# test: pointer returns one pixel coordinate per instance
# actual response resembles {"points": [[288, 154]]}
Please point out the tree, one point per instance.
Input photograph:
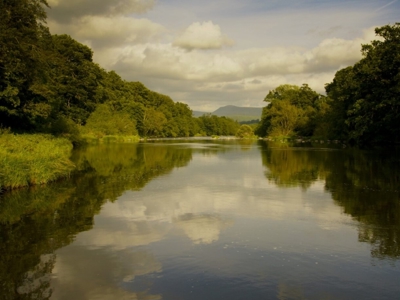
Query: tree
{"points": [[366, 97], [245, 131], [153, 122], [22, 63], [281, 117], [107, 121], [75, 78], [214, 125], [291, 110]]}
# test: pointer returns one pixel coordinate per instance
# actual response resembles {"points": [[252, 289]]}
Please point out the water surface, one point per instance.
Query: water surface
{"points": [[208, 220]]}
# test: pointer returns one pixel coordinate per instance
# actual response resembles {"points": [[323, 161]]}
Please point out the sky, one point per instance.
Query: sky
{"points": [[213, 53]]}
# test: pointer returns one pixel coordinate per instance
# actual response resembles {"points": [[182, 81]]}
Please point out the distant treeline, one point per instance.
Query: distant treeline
{"points": [[50, 84], [362, 104], [254, 121]]}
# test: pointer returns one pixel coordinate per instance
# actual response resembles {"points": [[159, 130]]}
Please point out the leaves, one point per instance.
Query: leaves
{"points": [[292, 110], [366, 97]]}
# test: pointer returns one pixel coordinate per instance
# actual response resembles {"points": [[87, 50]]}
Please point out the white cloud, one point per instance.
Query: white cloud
{"points": [[206, 80], [204, 36], [168, 62], [99, 31], [164, 60], [333, 54]]}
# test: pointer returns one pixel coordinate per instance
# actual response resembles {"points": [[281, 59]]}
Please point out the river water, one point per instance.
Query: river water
{"points": [[190, 219]]}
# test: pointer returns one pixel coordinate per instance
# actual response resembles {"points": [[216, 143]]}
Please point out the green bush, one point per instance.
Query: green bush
{"points": [[245, 132]]}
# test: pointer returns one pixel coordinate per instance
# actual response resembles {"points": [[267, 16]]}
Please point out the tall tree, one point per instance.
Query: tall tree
{"points": [[75, 78], [366, 97], [22, 62]]}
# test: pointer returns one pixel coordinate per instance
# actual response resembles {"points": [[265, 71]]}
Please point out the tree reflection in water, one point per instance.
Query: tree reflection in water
{"points": [[37, 221], [365, 183]]}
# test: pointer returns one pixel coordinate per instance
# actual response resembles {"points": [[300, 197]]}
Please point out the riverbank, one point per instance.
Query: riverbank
{"points": [[31, 159]]}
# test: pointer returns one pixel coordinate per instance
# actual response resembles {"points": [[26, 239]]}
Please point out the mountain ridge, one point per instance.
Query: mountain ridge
{"points": [[239, 113]]}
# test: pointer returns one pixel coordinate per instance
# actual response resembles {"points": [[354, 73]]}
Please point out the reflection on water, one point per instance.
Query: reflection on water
{"points": [[365, 183], [294, 166], [201, 229], [207, 220], [35, 222]]}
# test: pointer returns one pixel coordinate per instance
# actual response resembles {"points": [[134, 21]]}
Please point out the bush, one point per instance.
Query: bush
{"points": [[245, 131]]}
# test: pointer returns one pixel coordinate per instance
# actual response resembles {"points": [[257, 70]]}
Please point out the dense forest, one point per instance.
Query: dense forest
{"points": [[50, 84], [361, 105]]}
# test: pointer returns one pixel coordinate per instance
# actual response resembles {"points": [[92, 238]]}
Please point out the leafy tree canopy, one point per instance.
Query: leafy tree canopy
{"points": [[366, 96], [291, 110]]}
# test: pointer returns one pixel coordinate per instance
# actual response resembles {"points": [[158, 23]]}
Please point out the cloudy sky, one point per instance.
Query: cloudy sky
{"points": [[212, 53]]}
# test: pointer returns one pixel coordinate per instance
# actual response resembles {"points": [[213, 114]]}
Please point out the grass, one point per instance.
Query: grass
{"points": [[31, 159], [92, 139]]}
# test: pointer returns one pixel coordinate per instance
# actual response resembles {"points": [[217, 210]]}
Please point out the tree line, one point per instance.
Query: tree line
{"points": [[49, 83], [361, 105]]}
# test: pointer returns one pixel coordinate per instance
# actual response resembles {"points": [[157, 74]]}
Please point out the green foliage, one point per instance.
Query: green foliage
{"points": [[64, 127], [41, 76], [366, 101], [89, 139], [23, 54], [292, 110], [281, 117], [155, 114], [105, 120], [245, 131], [252, 122], [213, 125], [74, 78], [180, 122], [153, 122], [33, 159]]}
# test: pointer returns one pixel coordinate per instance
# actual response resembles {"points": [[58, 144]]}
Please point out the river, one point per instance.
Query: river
{"points": [[212, 219]]}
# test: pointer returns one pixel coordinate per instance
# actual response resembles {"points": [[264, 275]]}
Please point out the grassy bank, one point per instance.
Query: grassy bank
{"points": [[93, 139], [30, 159]]}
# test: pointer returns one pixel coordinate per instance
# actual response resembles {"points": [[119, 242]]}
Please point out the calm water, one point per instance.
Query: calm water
{"points": [[207, 220]]}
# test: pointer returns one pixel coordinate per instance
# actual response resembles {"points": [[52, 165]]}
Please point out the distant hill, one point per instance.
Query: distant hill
{"points": [[237, 113], [197, 113], [231, 110]]}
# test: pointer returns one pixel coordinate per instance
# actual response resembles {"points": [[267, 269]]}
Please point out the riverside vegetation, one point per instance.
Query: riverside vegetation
{"points": [[33, 159], [51, 88]]}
